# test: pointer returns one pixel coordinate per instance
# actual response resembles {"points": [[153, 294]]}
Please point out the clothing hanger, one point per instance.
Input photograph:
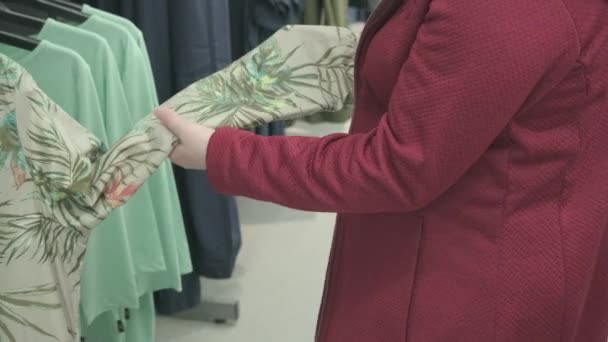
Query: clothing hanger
{"points": [[21, 42], [18, 23], [67, 4], [46, 8]]}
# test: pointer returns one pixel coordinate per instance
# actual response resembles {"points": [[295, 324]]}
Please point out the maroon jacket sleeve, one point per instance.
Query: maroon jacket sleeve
{"points": [[472, 67]]}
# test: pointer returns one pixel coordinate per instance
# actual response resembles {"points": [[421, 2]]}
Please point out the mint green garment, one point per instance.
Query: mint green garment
{"points": [[138, 327], [129, 58], [139, 324], [142, 101], [141, 94], [67, 79], [136, 33], [142, 230], [105, 327]]}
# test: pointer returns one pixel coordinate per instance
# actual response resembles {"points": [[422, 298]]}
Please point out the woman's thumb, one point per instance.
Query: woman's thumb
{"points": [[172, 121]]}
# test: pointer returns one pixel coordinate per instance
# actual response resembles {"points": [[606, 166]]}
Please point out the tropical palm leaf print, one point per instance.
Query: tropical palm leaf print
{"points": [[15, 304], [268, 83], [37, 237], [56, 168]]}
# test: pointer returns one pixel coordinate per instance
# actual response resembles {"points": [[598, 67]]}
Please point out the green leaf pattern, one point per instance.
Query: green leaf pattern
{"points": [[62, 181], [14, 306]]}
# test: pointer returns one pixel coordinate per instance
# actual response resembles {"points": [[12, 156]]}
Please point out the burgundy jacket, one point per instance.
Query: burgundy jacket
{"points": [[472, 190]]}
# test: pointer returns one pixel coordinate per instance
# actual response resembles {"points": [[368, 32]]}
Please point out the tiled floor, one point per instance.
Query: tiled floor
{"points": [[279, 276]]}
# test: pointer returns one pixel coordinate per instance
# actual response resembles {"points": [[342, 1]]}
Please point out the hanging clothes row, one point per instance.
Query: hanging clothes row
{"points": [[62, 180], [105, 79], [188, 40]]}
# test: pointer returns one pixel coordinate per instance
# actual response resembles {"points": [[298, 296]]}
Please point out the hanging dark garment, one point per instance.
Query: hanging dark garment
{"points": [[188, 40], [200, 44], [373, 4], [252, 22], [358, 10]]}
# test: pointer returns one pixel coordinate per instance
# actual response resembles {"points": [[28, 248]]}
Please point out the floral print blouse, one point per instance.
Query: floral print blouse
{"points": [[59, 181]]}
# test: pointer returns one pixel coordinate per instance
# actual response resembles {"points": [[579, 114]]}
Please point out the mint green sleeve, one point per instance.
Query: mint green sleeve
{"points": [[133, 31]]}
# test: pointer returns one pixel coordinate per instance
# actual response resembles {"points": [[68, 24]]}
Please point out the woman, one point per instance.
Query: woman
{"points": [[472, 190]]}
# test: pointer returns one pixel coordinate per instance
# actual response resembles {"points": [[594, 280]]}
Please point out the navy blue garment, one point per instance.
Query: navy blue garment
{"points": [[254, 21], [215, 252], [169, 302], [188, 40], [268, 16]]}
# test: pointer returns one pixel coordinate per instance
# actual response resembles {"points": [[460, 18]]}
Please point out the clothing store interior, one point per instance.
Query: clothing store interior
{"points": [[102, 239]]}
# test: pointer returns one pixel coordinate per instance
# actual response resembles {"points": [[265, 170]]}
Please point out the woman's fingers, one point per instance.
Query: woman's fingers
{"points": [[172, 121], [191, 151]]}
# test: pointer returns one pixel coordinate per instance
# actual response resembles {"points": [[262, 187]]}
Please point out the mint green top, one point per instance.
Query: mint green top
{"points": [[139, 325], [142, 101], [62, 73], [136, 33], [130, 51], [142, 230], [95, 50]]}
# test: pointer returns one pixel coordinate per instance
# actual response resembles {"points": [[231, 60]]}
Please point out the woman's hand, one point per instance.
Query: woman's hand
{"points": [[191, 151]]}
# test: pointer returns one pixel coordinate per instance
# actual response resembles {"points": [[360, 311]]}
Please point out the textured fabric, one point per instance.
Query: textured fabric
{"points": [[62, 182], [471, 189]]}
